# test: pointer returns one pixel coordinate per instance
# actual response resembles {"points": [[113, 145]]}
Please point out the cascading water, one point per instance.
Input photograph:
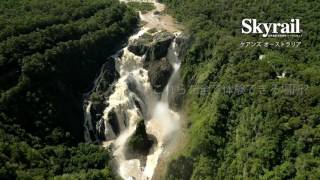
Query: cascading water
{"points": [[163, 121], [134, 99]]}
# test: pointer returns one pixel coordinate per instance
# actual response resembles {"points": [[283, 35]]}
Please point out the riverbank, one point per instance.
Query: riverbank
{"points": [[134, 97]]}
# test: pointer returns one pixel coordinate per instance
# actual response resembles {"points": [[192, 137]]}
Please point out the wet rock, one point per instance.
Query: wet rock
{"points": [[98, 97], [155, 46], [159, 68], [159, 73], [140, 46], [107, 76], [183, 43], [140, 143], [113, 121], [159, 46], [101, 129], [176, 98], [156, 13]]}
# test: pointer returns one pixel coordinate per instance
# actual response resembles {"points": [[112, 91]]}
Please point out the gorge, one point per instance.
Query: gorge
{"points": [[117, 89], [133, 116]]}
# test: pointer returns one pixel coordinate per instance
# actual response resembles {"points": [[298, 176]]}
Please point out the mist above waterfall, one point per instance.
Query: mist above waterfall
{"points": [[133, 100], [164, 121], [148, 68]]}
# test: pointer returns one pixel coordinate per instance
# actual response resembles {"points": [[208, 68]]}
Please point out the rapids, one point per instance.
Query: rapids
{"points": [[134, 99]]}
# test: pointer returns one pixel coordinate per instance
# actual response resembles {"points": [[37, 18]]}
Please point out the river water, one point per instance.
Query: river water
{"points": [[134, 99]]}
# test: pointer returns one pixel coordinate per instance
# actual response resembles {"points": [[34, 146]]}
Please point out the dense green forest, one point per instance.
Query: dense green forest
{"points": [[268, 131], [50, 53], [141, 6]]}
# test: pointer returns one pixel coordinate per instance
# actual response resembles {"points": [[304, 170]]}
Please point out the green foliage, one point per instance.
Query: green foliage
{"points": [[267, 132], [180, 168], [39, 161], [27, 16], [141, 6], [139, 142], [45, 71], [50, 53]]}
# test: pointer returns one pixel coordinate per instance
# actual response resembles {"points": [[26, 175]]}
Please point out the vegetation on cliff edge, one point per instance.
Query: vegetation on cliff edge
{"points": [[253, 112], [50, 53]]}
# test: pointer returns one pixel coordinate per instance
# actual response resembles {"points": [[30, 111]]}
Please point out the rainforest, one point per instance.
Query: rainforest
{"points": [[158, 89]]}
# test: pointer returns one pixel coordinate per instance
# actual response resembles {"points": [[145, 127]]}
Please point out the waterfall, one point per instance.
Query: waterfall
{"points": [[87, 123], [173, 56], [133, 99]]}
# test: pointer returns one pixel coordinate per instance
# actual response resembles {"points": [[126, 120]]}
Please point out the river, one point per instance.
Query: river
{"points": [[130, 105]]}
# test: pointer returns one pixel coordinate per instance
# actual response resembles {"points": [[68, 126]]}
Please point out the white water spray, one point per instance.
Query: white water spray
{"points": [[163, 121], [134, 99]]}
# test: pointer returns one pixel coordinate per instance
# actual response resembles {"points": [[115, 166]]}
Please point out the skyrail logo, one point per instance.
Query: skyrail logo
{"points": [[251, 26]]}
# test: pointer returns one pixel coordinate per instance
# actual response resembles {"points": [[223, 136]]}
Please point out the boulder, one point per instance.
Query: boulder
{"points": [[140, 143], [183, 43], [140, 45], [156, 48], [100, 127], [113, 121], [159, 73], [156, 13], [99, 95], [160, 45]]}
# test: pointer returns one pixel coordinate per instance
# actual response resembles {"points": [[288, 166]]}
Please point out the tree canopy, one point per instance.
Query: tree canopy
{"points": [[249, 123], [50, 53]]}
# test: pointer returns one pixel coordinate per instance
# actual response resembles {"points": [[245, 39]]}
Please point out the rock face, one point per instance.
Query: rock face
{"points": [[155, 48], [113, 120], [160, 45], [158, 66], [103, 89], [140, 46], [140, 142], [159, 73], [182, 43]]}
